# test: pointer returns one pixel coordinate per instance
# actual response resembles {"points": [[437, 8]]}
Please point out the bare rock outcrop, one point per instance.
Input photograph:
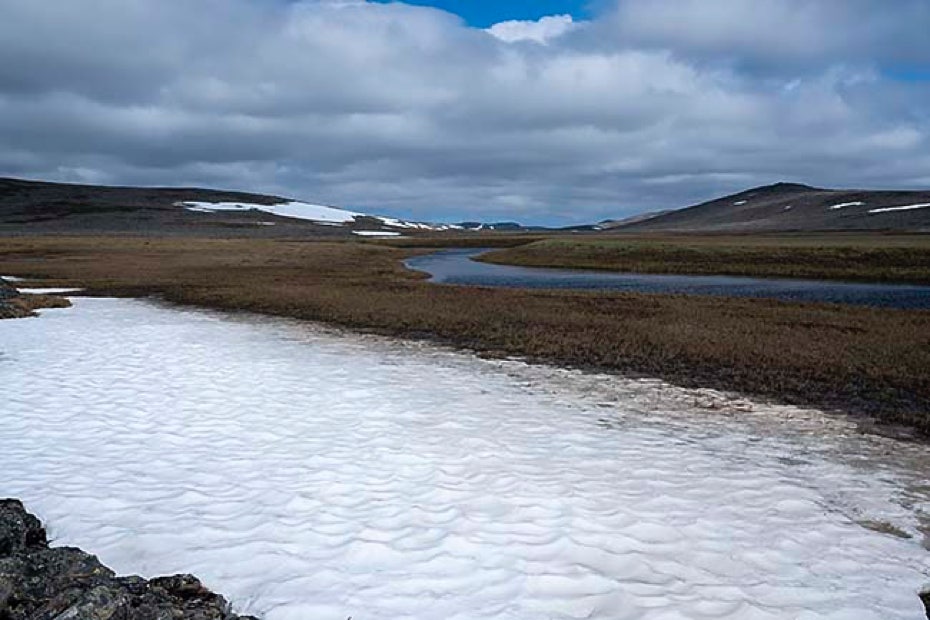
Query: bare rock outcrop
{"points": [[39, 582]]}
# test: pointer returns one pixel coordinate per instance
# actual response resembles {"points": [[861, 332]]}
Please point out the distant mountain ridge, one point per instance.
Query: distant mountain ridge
{"points": [[789, 207], [61, 208]]}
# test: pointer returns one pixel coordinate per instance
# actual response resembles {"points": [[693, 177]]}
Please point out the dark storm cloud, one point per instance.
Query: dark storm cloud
{"points": [[404, 109]]}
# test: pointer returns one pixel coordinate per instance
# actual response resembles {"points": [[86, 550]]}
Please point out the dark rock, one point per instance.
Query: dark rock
{"points": [[925, 597], [20, 530], [7, 290], [11, 306], [38, 582]]}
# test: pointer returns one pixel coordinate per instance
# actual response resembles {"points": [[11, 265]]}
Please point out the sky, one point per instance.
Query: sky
{"points": [[486, 13], [540, 111]]}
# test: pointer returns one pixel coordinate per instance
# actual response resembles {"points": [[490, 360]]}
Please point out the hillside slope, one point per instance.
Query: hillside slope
{"points": [[42, 207], [786, 207]]}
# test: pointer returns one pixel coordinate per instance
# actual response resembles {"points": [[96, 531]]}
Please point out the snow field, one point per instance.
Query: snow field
{"points": [[306, 473]]}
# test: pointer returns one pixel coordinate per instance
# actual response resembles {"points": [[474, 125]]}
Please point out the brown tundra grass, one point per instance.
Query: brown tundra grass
{"points": [[26, 305], [860, 360], [875, 258]]}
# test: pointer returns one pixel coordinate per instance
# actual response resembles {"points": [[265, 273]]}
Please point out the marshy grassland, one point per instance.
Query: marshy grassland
{"points": [[853, 257], [855, 359]]}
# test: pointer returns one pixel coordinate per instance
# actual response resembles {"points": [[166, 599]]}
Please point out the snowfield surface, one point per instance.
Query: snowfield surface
{"points": [[902, 208], [307, 473], [299, 210]]}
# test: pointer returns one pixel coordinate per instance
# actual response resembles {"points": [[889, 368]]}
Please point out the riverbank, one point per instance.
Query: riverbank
{"points": [[459, 266], [888, 258], [40, 581], [867, 362], [16, 305]]}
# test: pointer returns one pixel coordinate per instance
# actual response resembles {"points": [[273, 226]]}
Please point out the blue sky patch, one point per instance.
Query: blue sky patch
{"points": [[484, 13]]}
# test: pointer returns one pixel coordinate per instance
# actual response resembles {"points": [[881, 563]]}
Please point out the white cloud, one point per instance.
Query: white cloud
{"points": [[779, 30], [404, 109], [540, 31]]}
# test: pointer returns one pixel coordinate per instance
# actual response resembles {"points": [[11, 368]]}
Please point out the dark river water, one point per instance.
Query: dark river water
{"points": [[456, 267]]}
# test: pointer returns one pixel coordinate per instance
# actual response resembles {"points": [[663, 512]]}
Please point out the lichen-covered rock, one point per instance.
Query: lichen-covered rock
{"points": [[38, 582], [7, 290], [18, 529]]}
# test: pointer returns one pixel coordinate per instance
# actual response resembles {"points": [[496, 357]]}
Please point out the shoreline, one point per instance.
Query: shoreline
{"points": [[863, 423], [869, 364], [15, 304], [891, 259]]}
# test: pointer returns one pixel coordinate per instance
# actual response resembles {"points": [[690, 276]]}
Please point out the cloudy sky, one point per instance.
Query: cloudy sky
{"points": [[544, 111]]}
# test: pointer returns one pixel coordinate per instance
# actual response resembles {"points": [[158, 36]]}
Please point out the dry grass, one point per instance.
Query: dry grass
{"points": [[857, 359], [26, 305], [875, 258]]}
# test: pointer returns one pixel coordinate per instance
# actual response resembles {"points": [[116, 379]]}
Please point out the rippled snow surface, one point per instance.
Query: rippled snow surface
{"points": [[309, 474]]}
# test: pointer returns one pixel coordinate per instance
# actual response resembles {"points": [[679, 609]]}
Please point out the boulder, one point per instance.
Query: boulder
{"points": [[39, 582]]}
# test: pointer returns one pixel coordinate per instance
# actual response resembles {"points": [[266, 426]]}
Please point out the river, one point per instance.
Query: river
{"points": [[456, 266]]}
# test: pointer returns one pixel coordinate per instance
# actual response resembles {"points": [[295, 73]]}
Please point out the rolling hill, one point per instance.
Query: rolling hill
{"points": [[43, 207], [787, 207]]}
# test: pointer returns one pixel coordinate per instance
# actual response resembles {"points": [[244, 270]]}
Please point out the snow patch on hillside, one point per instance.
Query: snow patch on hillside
{"points": [[298, 210], [396, 223], [843, 205], [319, 214], [901, 208], [376, 233]]}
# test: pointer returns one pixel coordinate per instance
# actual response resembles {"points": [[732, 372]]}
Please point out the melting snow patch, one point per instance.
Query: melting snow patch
{"points": [[902, 208], [788, 208], [396, 223], [740, 202], [309, 474], [297, 210], [49, 291], [376, 233], [843, 205]]}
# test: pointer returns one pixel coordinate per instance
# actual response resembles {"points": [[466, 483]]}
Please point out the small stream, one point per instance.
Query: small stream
{"points": [[456, 266]]}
